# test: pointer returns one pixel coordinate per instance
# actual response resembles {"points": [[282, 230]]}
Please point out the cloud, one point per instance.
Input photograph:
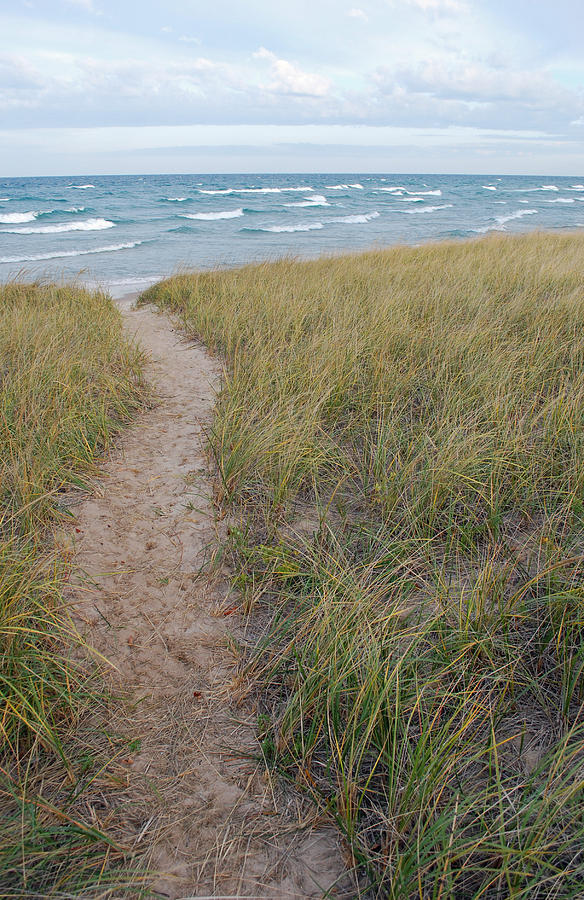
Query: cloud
{"points": [[187, 39], [289, 79], [358, 14]]}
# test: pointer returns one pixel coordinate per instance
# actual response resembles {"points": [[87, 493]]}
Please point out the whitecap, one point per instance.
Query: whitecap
{"points": [[502, 220], [544, 187], [436, 193], [489, 187], [209, 217], [573, 187], [392, 190], [81, 187], [412, 200], [4, 199], [562, 200], [425, 209], [317, 200], [176, 199], [264, 190], [62, 227], [358, 219], [15, 218], [60, 254], [306, 226]]}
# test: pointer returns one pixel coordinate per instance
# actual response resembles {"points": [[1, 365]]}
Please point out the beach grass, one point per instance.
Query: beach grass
{"points": [[399, 443], [69, 381]]}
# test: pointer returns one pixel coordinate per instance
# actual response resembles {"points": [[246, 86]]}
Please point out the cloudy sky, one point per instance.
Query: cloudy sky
{"points": [[100, 86]]}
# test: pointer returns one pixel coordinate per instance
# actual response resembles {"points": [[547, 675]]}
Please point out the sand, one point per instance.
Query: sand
{"points": [[207, 815]]}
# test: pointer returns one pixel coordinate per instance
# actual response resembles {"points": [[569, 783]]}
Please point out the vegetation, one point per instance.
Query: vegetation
{"points": [[400, 440], [68, 382]]}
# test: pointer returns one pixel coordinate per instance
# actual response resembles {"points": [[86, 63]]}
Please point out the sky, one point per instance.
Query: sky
{"points": [[137, 86]]}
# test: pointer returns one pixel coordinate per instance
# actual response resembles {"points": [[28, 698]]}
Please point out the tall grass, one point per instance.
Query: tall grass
{"points": [[400, 440], [68, 382]]}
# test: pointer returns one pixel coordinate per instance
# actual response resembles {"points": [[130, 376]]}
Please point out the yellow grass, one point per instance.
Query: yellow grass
{"points": [[68, 382], [400, 441]]}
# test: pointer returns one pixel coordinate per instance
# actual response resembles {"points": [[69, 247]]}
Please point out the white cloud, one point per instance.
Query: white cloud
{"points": [[355, 13], [166, 29], [289, 79], [187, 39]]}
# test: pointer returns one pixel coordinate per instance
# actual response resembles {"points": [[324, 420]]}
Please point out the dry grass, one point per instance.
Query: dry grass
{"points": [[68, 383], [400, 441]]}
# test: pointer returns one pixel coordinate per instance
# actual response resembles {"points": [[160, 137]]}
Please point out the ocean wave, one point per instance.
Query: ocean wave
{"points": [[81, 187], [358, 219], [210, 217], [573, 187], [61, 254], [176, 199], [424, 209], [317, 200], [562, 200], [15, 218], [544, 187], [344, 187], [62, 227], [500, 221], [489, 187], [277, 229], [392, 190], [276, 190], [411, 200], [4, 199], [436, 193]]}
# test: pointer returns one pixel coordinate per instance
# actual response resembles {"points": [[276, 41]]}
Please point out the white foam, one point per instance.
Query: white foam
{"points": [[210, 217], [306, 226], [62, 227], [573, 187], [358, 187], [544, 187], [502, 220], [437, 193], [392, 190], [4, 199], [359, 219], [518, 214], [274, 190], [412, 200], [425, 209], [317, 200], [67, 253], [489, 187], [344, 187], [562, 200], [14, 218], [81, 187], [176, 199]]}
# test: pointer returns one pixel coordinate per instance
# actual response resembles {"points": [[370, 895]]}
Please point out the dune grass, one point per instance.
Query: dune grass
{"points": [[68, 382], [400, 442]]}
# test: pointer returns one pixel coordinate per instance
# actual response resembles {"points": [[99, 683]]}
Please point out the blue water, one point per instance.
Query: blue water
{"points": [[124, 232]]}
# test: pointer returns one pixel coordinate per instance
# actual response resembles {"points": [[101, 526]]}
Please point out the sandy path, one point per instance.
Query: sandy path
{"points": [[205, 811]]}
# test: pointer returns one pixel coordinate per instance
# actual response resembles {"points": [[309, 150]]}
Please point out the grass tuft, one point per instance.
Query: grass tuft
{"points": [[68, 382], [400, 442]]}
